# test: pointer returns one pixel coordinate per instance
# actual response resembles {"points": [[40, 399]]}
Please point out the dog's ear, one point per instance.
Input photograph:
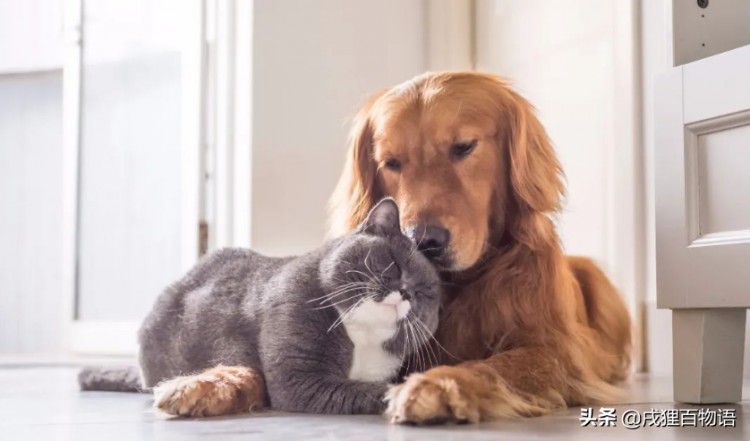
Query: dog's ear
{"points": [[358, 188], [536, 177]]}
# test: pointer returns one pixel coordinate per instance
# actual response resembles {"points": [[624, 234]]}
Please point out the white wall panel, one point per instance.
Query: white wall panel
{"points": [[314, 63], [30, 35], [576, 62], [561, 58]]}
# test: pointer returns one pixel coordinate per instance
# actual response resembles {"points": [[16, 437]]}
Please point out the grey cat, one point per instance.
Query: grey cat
{"points": [[328, 329]]}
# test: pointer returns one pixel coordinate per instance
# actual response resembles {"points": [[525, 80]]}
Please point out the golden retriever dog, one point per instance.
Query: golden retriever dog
{"points": [[524, 329]]}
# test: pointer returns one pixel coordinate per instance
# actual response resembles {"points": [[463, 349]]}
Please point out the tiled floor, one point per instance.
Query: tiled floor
{"points": [[43, 403]]}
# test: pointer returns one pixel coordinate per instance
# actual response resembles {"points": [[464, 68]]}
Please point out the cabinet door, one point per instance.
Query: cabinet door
{"points": [[702, 166]]}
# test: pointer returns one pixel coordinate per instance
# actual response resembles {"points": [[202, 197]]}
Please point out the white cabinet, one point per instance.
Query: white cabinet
{"points": [[702, 167]]}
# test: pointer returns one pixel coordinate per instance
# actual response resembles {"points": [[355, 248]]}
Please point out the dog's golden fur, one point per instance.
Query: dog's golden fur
{"points": [[535, 330]]}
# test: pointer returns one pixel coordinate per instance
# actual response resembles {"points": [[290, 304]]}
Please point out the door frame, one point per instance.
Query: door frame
{"points": [[119, 337], [626, 217], [229, 115]]}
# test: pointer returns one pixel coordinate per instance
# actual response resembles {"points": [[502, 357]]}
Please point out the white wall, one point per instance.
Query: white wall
{"points": [[314, 63], [656, 56], [30, 35], [561, 57]]}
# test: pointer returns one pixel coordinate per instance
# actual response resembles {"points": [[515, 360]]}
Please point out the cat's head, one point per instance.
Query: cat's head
{"points": [[377, 263]]}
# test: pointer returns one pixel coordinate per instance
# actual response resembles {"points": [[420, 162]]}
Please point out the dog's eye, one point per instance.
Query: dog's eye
{"points": [[392, 164], [461, 150]]}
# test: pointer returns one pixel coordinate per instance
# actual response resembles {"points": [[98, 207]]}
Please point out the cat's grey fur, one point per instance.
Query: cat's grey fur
{"points": [[278, 315]]}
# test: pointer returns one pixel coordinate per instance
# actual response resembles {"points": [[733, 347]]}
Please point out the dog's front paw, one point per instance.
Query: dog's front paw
{"points": [[218, 391], [429, 399]]}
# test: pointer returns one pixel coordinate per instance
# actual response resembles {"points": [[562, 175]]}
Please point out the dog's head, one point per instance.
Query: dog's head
{"points": [[464, 157]]}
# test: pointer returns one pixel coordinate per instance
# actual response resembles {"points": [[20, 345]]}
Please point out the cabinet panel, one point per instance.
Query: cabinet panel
{"points": [[724, 180], [702, 166]]}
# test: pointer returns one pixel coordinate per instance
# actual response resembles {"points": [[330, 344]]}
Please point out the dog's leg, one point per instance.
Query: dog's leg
{"points": [[518, 382], [221, 390]]}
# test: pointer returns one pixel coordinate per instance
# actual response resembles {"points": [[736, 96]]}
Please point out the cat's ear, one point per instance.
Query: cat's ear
{"points": [[383, 219]]}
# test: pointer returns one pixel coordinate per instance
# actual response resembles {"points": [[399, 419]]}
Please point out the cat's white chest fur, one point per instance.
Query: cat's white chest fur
{"points": [[369, 326]]}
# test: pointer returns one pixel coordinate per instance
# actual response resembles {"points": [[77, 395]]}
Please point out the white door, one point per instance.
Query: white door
{"points": [[702, 166], [132, 96]]}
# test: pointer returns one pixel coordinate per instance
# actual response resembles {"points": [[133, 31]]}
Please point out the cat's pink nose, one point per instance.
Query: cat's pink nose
{"points": [[400, 304], [402, 309]]}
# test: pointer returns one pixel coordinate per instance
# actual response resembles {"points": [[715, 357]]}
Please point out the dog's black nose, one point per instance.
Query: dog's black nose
{"points": [[431, 240]]}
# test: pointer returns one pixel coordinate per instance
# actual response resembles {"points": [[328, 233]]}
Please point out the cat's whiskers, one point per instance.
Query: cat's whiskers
{"points": [[382, 274], [345, 285], [417, 348], [349, 311], [416, 246], [405, 354], [375, 278], [342, 317], [340, 301], [407, 344], [335, 296], [421, 323], [423, 355], [362, 273], [367, 265], [354, 286], [335, 300], [412, 253], [344, 280], [370, 278], [419, 356], [421, 363], [418, 243], [430, 353]]}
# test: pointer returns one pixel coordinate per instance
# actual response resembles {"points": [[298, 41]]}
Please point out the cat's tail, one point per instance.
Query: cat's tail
{"points": [[112, 379]]}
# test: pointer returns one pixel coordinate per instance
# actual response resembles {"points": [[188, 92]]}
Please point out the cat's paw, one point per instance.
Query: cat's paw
{"points": [[430, 399], [222, 390]]}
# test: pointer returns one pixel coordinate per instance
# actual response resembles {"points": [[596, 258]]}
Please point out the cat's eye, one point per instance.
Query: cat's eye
{"points": [[392, 164], [391, 273], [426, 291], [462, 149]]}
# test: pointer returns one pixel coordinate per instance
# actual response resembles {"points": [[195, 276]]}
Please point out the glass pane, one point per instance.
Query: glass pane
{"points": [[129, 212]]}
